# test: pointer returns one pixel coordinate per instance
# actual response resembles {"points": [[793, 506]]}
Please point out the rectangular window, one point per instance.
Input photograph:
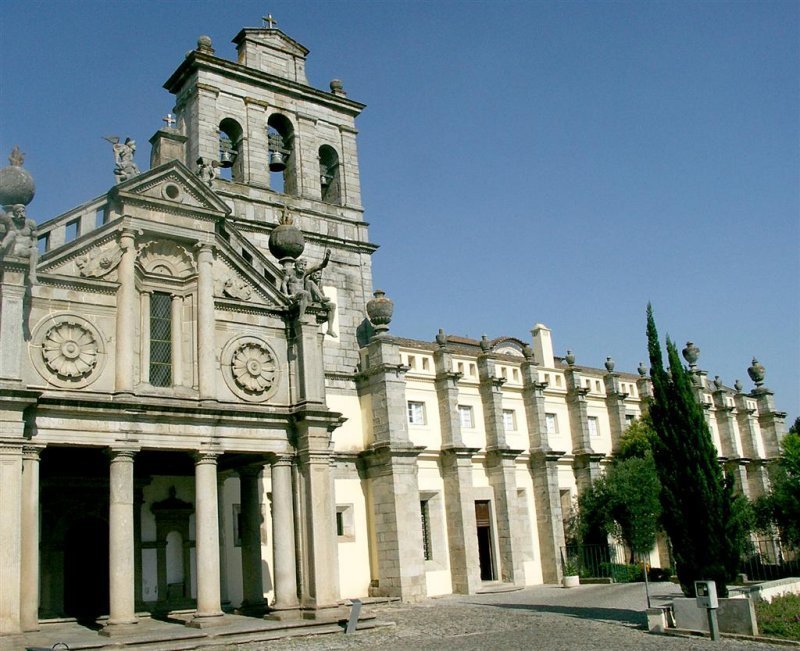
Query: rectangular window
{"points": [[558, 380], [412, 362], [160, 340], [552, 423], [99, 218], [427, 548], [416, 413], [629, 418], [509, 420], [43, 243], [597, 386], [465, 417], [345, 528], [247, 256], [593, 429], [425, 366], [73, 230]]}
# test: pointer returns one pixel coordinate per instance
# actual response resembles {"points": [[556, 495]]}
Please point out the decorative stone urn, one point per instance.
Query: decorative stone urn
{"points": [[642, 370], [570, 357], [738, 386], [286, 240], [691, 354], [756, 372], [380, 310], [441, 338], [610, 365]]}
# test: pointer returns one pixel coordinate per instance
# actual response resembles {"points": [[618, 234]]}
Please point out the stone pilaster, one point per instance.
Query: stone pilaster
{"points": [[456, 465], [731, 450], [255, 147], [391, 469], [29, 582], [206, 340], [615, 406], [586, 463], [492, 400], [223, 548], [502, 471], [252, 588], [459, 504], [209, 611], [283, 538], [307, 339], [122, 599], [770, 421], [544, 472], [126, 313], [320, 588], [12, 318], [176, 307], [384, 380]]}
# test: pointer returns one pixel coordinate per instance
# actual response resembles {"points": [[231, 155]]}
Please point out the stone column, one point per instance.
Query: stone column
{"points": [[10, 534], [126, 313], [252, 587], [501, 469], [29, 583], [144, 310], [177, 340], [544, 472], [223, 549], [456, 464], [320, 549], [209, 609], [121, 539], [283, 540], [205, 323]]}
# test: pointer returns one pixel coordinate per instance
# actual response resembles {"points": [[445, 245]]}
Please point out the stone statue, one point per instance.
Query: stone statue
{"points": [[124, 167], [303, 286], [207, 170], [19, 237]]}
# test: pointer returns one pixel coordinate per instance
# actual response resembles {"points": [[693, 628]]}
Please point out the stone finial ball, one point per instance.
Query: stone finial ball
{"points": [[16, 186], [336, 85], [286, 241], [204, 42]]}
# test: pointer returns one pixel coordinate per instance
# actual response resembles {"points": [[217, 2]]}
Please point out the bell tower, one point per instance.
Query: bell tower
{"points": [[281, 144]]}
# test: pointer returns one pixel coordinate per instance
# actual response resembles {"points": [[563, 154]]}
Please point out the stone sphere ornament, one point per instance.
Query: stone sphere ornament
{"points": [[757, 372], [691, 354], [380, 310], [286, 240], [16, 183]]}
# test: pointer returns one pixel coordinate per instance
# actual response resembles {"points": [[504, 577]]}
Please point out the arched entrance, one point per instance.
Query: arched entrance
{"points": [[86, 569]]}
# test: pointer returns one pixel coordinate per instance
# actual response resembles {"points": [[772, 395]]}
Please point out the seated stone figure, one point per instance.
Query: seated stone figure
{"points": [[303, 286], [18, 234]]}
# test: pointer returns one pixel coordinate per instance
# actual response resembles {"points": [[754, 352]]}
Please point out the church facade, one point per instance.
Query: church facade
{"points": [[202, 406]]}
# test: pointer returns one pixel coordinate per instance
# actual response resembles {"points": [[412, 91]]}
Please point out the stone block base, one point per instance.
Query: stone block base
{"points": [[207, 622], [117, 630]]}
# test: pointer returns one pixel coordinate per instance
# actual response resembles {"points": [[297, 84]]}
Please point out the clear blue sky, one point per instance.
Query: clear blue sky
{"points": [[521, 162]]}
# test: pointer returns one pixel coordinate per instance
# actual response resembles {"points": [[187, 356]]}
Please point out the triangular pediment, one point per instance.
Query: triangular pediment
{"points": [[272, 38], [170, 188]]}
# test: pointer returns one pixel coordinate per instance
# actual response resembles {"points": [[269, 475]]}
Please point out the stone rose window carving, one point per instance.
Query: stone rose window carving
{"points": [[69, 350], [253, 367]]}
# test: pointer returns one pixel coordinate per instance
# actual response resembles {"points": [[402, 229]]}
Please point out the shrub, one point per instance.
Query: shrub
{"points": [[659, 574], [622, 572], [781, 618]]}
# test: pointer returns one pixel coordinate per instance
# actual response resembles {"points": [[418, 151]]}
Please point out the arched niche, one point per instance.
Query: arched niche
{"points": [[329, 175], [231, 152], [282, 158]]}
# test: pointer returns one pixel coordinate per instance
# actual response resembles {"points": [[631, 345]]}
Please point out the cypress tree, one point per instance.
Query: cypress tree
{"points": [[698, 504]]}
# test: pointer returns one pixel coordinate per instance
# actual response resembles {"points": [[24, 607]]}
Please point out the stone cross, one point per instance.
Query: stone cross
{"points": [[269, 21], [169, 119]]}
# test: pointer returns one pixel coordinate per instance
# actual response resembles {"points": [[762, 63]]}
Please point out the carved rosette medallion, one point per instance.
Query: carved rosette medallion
{"points": [[253, 368], [250, 368], [67, 351]]}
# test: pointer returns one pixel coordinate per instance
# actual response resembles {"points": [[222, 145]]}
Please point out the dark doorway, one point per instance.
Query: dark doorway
{"points": [[485, 555], [86, 570]]}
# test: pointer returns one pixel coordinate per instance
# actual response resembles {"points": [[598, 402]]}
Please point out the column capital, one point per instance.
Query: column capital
{"points": [[283, 460], [126, 453], [32, 451], [205, 457]]}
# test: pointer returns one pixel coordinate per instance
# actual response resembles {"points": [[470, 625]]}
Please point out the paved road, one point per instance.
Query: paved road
{"points": [[544, 618]]}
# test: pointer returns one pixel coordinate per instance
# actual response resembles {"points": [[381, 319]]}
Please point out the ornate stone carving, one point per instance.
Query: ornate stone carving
{"points": [[70, 350], [124, 167], [253, 367], [380, 310], [18, 233], [302, 286], [691, 354], [99, 262], [237, 288], [757, 372], [207, 170], [167, 259]]}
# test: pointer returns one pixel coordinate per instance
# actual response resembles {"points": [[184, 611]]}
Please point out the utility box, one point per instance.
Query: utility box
{"points": [[706, 594]]}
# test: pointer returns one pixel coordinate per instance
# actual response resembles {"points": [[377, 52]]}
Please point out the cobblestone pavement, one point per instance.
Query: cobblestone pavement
{"points": [[543, 618]]}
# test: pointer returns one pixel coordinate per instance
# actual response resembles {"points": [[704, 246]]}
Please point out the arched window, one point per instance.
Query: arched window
{"points": [[231, 159], [282, 158], [330, 185]]}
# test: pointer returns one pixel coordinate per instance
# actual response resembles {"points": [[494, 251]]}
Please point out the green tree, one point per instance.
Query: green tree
{"points": [[781, 507], [624, 502], [700, 512]]}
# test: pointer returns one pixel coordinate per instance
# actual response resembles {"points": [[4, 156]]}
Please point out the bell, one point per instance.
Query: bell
{"points": [[276, 162], [226, 158]]}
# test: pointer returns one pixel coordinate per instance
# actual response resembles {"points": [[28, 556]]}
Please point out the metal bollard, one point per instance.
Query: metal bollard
{"points": [[355, 611]]}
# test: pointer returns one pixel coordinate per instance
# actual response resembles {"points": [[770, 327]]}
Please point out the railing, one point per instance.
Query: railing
{"points": [[767, 559], [610, 561]]}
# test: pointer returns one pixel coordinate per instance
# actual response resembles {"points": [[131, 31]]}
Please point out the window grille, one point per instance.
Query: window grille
{"points": [[160, 340], [427, 548]]}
